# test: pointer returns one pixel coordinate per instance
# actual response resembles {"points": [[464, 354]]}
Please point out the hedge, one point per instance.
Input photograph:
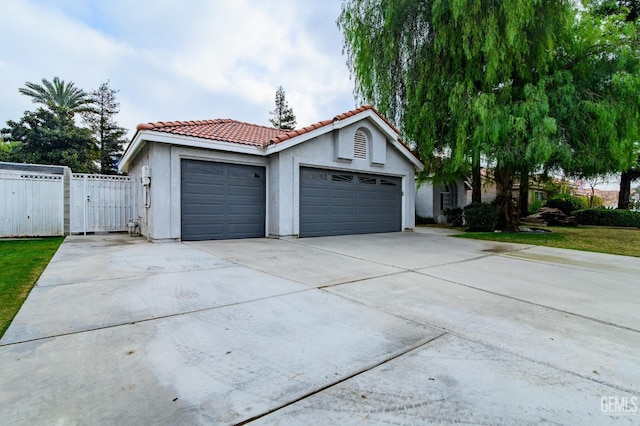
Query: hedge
{"points": [[567, 203], [454, 216], [422, 220], [607, 217], [480, 217]]}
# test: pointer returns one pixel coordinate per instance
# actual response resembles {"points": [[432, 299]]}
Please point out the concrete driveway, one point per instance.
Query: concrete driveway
{"points": [[404, 328]]}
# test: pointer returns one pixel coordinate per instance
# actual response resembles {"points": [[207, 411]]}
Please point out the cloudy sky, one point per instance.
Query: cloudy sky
{"points": [[180, 60]]}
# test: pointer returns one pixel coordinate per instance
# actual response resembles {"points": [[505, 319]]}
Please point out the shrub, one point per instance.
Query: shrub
{"points": [[454, 216], [535, 206], [480, 217], [607, 217], [567, 203], [597, 202], [428, 220]]}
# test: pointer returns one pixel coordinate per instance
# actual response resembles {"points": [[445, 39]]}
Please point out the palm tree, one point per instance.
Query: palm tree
{"points": [[62, 99]]}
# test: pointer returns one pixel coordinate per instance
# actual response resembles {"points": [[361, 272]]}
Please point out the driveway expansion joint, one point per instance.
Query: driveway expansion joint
{"points": [[156, 318], [562, 311], [396, 355], [495, 347]]}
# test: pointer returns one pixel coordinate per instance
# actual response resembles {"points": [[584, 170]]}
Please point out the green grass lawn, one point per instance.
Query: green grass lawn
{"points": [[21, 263], [624, 241]]}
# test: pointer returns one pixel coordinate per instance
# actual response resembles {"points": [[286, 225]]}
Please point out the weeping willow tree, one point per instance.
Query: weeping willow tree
{"points": [[463, 79], [595, 95]]}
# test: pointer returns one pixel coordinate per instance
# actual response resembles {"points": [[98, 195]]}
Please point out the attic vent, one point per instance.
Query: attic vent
{"points": [[360, 145]]}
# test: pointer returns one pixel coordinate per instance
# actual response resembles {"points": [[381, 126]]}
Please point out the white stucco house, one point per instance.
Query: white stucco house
{"points": [[432, 200], [222, 179]]}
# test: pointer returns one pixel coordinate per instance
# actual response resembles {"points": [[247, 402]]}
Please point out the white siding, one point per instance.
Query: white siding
{"points": [[32, 205]]}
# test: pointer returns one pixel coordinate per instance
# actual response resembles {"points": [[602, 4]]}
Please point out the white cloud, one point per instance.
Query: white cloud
{"points": [[181, 60]]}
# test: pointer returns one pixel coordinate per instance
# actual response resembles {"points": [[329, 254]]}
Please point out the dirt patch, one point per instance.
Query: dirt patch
{"points": [[498, 250], [558, 260]]}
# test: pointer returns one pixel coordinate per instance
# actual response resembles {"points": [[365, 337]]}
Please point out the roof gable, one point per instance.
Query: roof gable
{"points": [[209, 133]]}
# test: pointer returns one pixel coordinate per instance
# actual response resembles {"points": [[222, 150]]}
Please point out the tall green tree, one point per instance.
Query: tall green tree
{"points": [[101, 121], [8, 150], [63, 99], [282, 116], [594, 94], [43, 137], [631, 11], [464, 78]]}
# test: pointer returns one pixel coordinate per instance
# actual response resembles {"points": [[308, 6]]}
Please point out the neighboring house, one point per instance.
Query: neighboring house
{"points": [[220, 179], [537, 188], [609, 197], [432, 200]]}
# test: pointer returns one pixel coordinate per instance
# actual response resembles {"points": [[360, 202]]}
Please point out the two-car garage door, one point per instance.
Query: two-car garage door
{"points": [[342, 203], [224, 201]]}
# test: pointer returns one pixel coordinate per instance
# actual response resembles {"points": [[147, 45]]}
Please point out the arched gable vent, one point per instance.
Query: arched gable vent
{"points": [[360, 145]]}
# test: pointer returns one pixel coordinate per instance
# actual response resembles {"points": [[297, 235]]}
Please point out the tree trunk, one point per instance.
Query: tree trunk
{"points": [[508, 219], [523, 196], [476, 179], [625, 190]]}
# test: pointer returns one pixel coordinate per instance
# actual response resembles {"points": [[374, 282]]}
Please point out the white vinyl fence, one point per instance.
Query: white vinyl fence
{"points": [[101, 203], [42, 200], [32, 204]]}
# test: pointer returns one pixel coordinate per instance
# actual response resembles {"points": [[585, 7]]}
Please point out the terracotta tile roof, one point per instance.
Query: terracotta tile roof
{"points": [[228, 130], [225, 130], [339, 117]]}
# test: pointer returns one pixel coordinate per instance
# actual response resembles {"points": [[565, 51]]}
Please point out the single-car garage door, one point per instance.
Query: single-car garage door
{"points": [[222, 201], [340, 203]]}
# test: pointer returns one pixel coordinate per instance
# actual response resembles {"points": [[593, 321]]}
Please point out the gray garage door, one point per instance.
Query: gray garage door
{"points": [[222, 201], [340, 203]]}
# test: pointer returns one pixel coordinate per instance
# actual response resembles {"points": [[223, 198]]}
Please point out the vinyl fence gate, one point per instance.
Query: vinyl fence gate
{"points": [[101, 203]]}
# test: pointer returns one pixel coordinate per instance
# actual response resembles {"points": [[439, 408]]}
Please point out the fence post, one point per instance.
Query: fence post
{"points": [[85, 198], [66, 200]]}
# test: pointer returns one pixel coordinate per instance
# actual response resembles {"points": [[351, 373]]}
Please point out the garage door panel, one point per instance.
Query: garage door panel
{"points": [[243, 228], [351, 203], [365, 196], [390, 181], [313, 202], [202, 169], [204, 210], [370, 212], [339, 211], [311, 211], [343, 193], [368, 202], [207, 232], [243, 185], [221, 201], [196, 188], [343, 226], [245, 210], [387, 194], [313, 191]]}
